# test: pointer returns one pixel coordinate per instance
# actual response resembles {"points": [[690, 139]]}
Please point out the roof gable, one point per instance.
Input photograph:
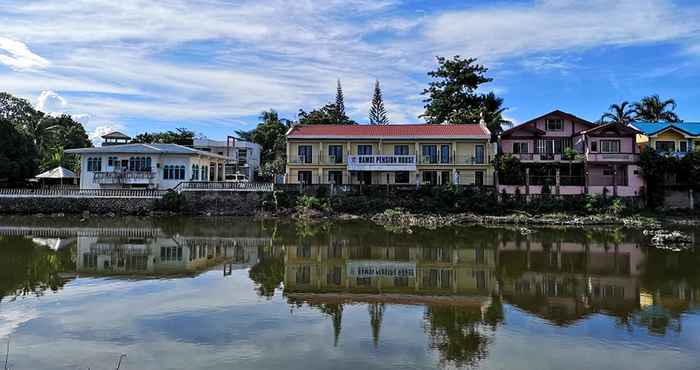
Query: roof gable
{"points": [[611, 129], [531, 124]]}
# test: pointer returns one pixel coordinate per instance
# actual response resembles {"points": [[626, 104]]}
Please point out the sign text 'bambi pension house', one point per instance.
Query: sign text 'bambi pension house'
{"points": [[119, 165], [571, 156], [389, 154]]}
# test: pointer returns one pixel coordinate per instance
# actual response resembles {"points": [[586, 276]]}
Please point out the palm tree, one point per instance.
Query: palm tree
{"points": [[492, 112], [653, 109], [621, 113]]}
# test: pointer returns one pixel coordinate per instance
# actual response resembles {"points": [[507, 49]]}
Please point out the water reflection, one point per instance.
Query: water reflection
{"points": [[465, 280]]}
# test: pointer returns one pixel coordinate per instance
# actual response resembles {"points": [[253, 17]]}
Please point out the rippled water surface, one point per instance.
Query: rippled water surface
{"points": [[208, 293]]}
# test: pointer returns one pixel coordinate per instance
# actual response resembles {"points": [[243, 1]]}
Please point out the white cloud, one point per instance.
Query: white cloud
{"points": [[96, 134], [17, 55], [50, 101]]}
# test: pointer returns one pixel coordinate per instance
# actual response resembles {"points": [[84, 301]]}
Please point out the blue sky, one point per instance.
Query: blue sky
{"points": [[212, 65]]}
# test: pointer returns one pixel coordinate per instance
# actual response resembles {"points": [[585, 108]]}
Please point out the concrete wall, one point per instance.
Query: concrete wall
{"points": [[131, 206]]}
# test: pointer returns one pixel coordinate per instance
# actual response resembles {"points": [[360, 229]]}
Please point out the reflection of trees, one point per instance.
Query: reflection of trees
{"points": [[26, 268], [268, 273], [458, 333]]}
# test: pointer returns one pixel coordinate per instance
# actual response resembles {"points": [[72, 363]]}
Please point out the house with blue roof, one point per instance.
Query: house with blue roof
{"points": [[669, 138]]}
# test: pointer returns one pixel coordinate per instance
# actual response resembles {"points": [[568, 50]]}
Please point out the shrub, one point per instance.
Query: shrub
{"points": [[171, 202]]}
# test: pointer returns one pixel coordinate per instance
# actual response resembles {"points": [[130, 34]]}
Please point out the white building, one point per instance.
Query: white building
{"points": [[152, 166], [242, 156]]}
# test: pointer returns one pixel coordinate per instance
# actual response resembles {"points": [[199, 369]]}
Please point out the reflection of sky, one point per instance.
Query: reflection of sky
{"points": [[216, 322]]}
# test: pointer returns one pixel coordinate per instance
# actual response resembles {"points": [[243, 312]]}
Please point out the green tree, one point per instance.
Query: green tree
{"points": [[18, 111], [653, 109], [19, 158], [621, 113], [271, 135], [339, 103], [492, 113], [326, 115], [181, 136], [452, 96], [377, 112]]}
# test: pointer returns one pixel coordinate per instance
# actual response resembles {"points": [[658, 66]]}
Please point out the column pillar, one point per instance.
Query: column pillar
{"points": [[527, 181], [614, 173], [557, 180]]}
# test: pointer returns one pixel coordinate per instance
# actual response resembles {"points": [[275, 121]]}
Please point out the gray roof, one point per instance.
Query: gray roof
{"points": [[143, 149], [57, 173], [116, 135]]}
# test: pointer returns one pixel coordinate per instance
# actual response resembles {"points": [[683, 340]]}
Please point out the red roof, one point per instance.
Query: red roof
{"points": [[389, 131]]}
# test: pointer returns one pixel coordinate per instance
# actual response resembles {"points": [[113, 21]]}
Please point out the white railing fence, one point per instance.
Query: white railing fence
{"points": [[81, 193], [224, 186]]}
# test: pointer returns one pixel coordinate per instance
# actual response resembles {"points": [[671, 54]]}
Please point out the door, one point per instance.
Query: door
{"points": [[304, 177], [335, 177], [365, 177], [445, 177], [125, 164], [479, 178]]}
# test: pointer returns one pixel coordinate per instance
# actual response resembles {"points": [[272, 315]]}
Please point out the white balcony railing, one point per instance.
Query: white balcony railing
{"points": [[382, 162], [614, 157], [128, 177]]}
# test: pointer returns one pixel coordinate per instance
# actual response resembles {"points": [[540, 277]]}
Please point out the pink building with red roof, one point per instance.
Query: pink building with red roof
{"points": [[571, 156], [390, 154]]}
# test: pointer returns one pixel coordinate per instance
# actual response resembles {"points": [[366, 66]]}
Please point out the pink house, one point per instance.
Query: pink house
{"points": [[571, 156]]}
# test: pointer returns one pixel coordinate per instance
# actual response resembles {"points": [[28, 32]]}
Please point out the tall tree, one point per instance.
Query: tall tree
{"points": [[270, 134], [61, 133], [452, 96], [621, 113], [339, 103], [492, 113], [19, 158], [377, 112], [653, 109], [18, 111]]}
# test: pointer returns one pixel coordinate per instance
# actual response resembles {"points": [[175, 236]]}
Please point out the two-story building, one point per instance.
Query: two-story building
{"points": [[675, 139], [243, 157], [149, 166], [389, 154], [570, 155]]}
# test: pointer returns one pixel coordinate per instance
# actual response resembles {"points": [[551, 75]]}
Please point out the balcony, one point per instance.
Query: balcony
{"points": [[381, 162], [612, 157], [124, 177], [544, 157]]}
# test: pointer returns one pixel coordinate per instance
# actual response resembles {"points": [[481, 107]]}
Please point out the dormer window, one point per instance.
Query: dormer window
{"points": [[554, 124]]}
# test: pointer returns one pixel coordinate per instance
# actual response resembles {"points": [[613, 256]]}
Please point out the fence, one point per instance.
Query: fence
{"points": [[82, 193], [224, 186]]}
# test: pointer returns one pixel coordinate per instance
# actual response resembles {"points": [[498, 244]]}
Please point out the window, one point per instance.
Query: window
{"points": [[364, 149], [610, 146], [173, 172], [665, 146], [430, 153], [195, 172], [335, 177], [607, 172], [520, 148], [113, 161], [305, 153], [479, 154], [684, 146], [402, 177], [94, 164], [444, 153], [140, 164], [401, 149], [549, 146], [552, 124], [335, 153], [594, 146], [445, 178], [304, 177]]}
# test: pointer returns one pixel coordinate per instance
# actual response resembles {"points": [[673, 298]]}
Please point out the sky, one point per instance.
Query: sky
{"points": [[213, 65]]}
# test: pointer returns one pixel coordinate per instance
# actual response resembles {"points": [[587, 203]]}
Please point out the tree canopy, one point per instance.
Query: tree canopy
{"points": [[452, 96], [181, 136], [377, 112], [492, 113], [653, 109], [19, 158], [622, 113], [326, 115]]}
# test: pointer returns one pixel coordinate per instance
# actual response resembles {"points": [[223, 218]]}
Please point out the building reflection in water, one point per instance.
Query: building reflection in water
{"points": [[463, 278]]}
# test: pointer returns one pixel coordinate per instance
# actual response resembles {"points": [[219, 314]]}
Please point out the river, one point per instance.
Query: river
{"points": [[236, 293]]}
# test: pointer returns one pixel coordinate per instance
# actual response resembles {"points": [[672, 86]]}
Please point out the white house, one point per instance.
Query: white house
{"points": [[242, 156], [152, 166]]}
